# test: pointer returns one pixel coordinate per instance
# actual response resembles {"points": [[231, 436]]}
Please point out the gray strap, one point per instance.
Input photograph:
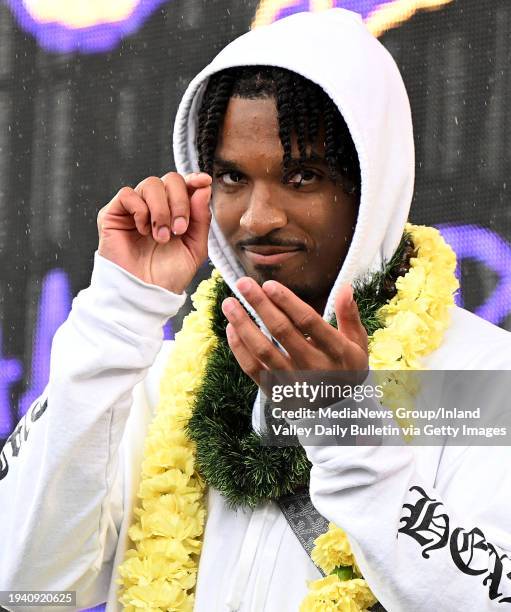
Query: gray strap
{"points": [[305, 521]]}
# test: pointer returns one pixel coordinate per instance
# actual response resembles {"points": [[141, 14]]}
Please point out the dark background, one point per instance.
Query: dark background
{"points": [[75, 127]]}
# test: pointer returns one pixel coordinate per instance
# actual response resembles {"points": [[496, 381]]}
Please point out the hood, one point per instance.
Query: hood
{"points": [[334, 49]]}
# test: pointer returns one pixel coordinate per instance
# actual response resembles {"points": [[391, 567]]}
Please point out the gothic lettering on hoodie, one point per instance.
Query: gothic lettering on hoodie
{"points": [[20, 434], [471, 553], [426, 523], [465, 547]]}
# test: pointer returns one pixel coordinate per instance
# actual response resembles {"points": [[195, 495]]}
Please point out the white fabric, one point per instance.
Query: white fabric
{"points": [[70, 476]]}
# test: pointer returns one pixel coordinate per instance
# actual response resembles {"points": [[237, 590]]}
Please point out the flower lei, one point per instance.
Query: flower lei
{"points": [[160, 572]]}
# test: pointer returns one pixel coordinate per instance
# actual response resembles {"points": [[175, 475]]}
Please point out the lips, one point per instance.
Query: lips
{"points": [[270, 255]]}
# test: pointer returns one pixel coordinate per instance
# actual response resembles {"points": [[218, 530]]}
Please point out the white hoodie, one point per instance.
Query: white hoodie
{"points": [[69, 473]]}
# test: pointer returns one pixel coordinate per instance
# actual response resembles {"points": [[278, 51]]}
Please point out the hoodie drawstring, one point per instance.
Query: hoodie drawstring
{"points": [[246, 559]]}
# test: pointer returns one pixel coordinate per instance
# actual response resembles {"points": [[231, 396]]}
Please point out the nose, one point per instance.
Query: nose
{"points": [[263, 213]]}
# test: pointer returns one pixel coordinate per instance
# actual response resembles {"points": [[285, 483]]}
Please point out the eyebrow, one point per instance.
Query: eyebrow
{"points": [[228, 164]]}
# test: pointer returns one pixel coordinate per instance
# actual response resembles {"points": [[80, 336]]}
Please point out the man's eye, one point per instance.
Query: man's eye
{"points": [[302, 178], [229, 178]]}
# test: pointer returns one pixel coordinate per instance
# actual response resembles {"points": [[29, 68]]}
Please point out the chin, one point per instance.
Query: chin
{"points": [[265, 273], [294, 281]]}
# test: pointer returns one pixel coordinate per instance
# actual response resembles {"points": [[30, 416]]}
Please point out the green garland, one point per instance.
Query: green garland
{"points": [[230, 455]]}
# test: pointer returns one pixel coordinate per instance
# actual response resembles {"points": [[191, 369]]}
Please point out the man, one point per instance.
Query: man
{"points": [[302, 207]]}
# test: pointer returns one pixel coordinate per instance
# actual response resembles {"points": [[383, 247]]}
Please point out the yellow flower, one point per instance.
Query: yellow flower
{"points": [[332, 549], [156, 596], [416, 317], [333, 595], [412, 283], [385, 352], [173, 551]]}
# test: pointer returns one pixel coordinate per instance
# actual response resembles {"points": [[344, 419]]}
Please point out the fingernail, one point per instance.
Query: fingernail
{"points": [[163, 233], [244, 285], [228, 331], [179, 225], [270, 287], [202, 176], [228, 306]]}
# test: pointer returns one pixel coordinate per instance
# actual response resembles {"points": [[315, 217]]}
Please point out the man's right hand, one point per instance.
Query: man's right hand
{"points": [[159, 231]]}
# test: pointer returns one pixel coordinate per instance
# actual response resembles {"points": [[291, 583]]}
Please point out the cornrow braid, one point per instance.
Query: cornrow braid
{"points": [[211, 116], [330, 140], [300, 118], [301, 107], [314, 109], [285, 114]]}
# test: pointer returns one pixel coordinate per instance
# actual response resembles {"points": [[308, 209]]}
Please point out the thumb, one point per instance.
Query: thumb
{"points": [[348, 317]]}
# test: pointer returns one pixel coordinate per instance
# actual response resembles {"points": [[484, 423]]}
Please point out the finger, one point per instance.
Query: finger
{"points": [[179, 202], [152, 191], [125, 210], [348, 317], [197, 180], [251, 366], [256, 343], [305, 318], [196, 238], [278, 323]]}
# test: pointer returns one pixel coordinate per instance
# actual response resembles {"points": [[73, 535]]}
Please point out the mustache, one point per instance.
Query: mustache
{"points": [[270, 241]]}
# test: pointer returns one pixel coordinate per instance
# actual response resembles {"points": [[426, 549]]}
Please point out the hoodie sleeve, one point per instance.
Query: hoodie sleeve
{"points": [[60, 478], [420, 545]]}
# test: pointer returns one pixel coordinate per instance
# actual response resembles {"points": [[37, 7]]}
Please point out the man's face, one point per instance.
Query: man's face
{"points": [[293, 227]]}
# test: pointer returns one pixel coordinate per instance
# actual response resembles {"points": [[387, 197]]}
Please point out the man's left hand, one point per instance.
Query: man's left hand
{"points": [[310, 342]]}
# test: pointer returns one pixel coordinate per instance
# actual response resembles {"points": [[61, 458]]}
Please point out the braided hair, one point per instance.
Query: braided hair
{"points": [[302, 106]]}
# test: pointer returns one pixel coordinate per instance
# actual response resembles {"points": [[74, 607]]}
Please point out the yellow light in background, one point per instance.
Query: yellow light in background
{"points": [[321, 5], [383, 18], [80, 13], [268, 10], [394, 14]]}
